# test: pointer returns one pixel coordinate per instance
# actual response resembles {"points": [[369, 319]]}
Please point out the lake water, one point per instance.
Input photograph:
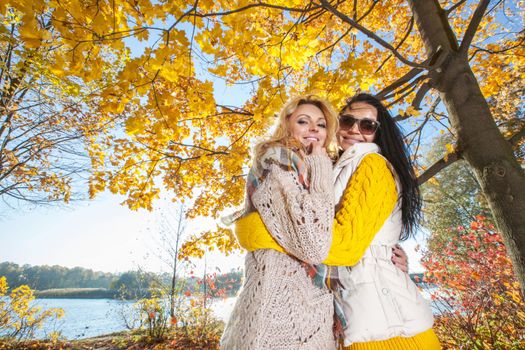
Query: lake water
{"points": [[86, 318]]}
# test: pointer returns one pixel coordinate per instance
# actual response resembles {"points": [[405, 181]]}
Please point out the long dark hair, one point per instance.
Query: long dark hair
{"points": [[389, 138]]}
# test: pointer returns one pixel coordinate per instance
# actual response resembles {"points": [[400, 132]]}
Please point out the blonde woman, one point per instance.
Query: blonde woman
{"points": [[290, 187]]}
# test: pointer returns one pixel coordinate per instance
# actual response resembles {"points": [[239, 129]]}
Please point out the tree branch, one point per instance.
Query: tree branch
{"points": [[399, 82], [244, 8], [455, 6], [407, 34], [234, 110], [453, 157], [374, 3], [410, 86], [433, 62], [478, 49], [425, 87], [242, 135], [335, 42], [437, 167], [192, 38], [473, 26], [517, 137], [410, 89], [326, 4]]}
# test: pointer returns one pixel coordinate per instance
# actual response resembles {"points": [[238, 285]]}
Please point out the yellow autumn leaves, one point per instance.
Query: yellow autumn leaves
{"points": [[18, 317]]}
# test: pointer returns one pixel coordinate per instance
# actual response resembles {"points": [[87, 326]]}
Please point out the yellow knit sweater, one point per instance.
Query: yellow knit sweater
{"points": [[367, 201]]}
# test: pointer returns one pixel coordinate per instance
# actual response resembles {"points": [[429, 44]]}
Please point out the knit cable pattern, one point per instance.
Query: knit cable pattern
{"points": [[279, 307], [299, 219], [367, 202]]}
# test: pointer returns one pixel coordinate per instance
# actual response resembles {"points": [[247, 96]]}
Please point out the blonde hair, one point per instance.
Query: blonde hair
{"points": [[282, 135]]}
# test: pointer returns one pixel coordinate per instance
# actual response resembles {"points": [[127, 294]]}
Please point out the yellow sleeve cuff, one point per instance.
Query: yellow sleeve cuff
{"points": [[252, 234]]}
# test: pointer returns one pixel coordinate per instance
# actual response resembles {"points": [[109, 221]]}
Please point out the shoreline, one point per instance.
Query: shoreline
{"points": [[77, 293]]}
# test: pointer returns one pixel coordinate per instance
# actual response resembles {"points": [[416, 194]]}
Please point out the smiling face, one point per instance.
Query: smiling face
{"points": [[349, 137], [307, 124]]}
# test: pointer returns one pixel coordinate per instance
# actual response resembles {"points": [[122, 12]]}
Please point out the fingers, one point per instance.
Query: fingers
{"points": [[397, 250], [400, 258], [318, 149], [309, 148], [398, 247], [400, 263]]}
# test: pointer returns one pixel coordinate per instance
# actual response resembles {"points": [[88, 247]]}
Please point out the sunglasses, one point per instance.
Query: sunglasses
{"points": [[365, 126]]}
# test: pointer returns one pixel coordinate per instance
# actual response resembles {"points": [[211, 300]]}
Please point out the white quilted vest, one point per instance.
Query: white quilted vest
{"points": [[379, 300]]}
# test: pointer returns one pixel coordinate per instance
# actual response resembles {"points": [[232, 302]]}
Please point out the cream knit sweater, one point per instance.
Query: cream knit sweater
{"points": [[279, 307]]}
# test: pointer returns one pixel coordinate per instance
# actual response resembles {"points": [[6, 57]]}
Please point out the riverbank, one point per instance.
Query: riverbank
{"points": [[178, 340], [76, 293]]}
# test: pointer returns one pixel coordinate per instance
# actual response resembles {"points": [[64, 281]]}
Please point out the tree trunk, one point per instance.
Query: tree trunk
{"points": [[479, 140]]}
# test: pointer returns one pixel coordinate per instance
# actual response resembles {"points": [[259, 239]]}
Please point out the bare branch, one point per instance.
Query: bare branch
{"points": [[326, 4], [437, 167], [453, 157], [399, 82], [517, 137], [407, 34], [425, 87], [473, 26], [455, 6]]}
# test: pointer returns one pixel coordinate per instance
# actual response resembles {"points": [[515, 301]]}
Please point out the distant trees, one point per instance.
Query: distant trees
{"points": [[132, 284], [452, 197], [47, 277], [228, 284]]}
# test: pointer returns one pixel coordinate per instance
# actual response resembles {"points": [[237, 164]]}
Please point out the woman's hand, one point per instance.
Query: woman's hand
{"points": [[399, 258], [316, 149]]}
